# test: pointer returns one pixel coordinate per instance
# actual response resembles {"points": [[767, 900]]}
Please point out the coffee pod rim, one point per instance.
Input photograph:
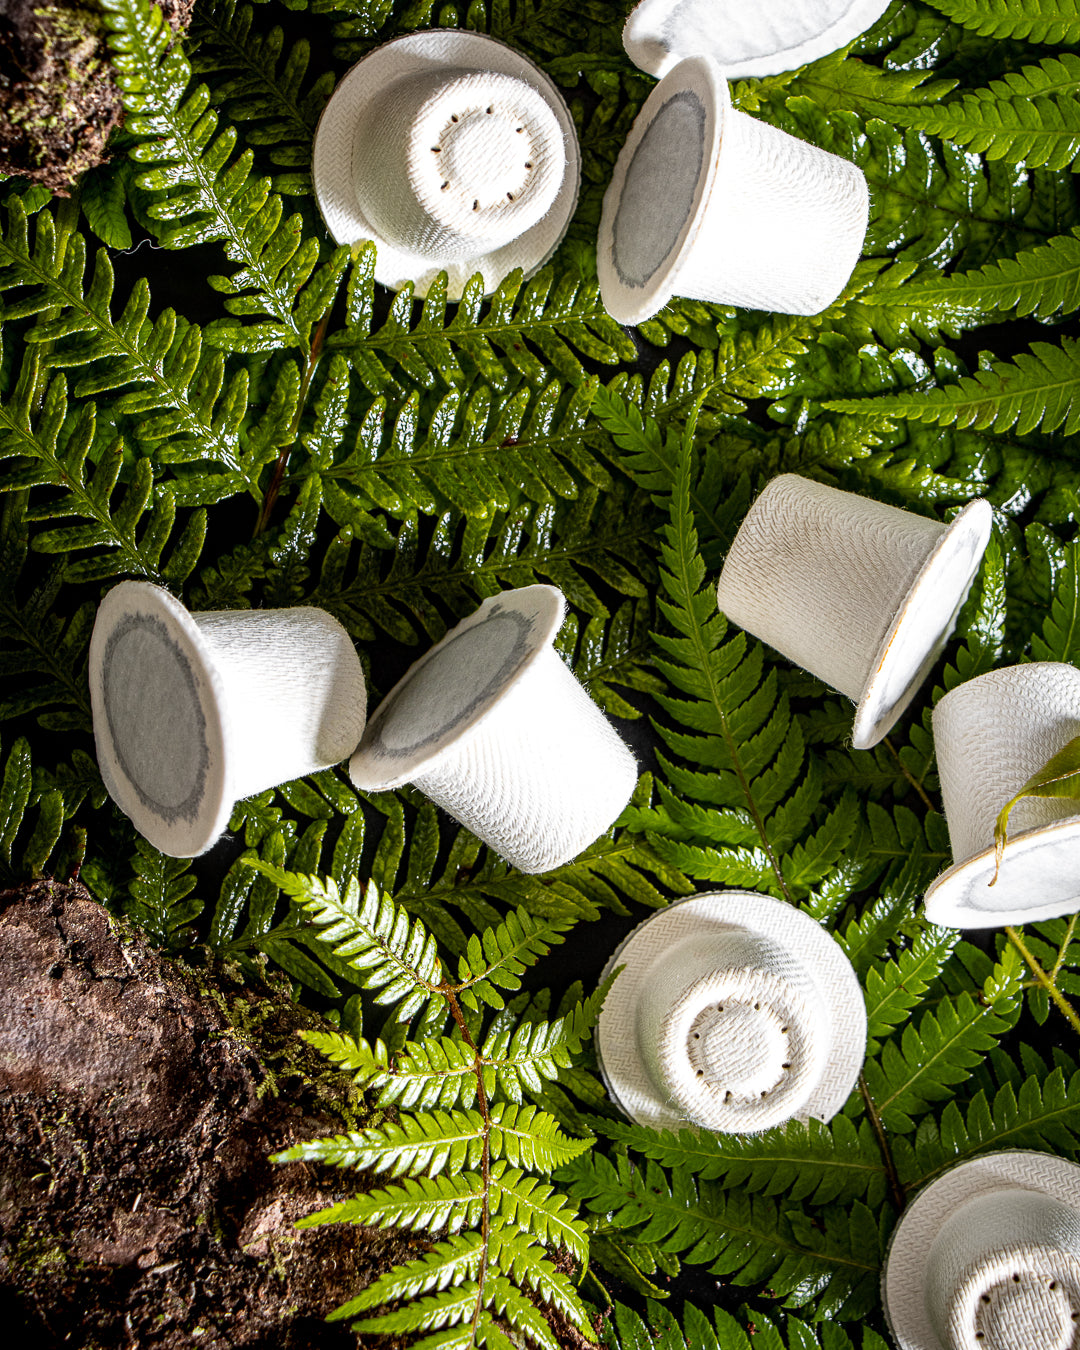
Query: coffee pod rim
{"points": [[215, 803], [377, 766], [903, 1275], [877, 712], [758, 915], [644, 43], [946, 901], [626, 303], [367, 81]]}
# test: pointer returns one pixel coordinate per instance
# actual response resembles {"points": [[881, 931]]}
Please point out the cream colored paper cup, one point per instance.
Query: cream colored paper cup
{"points": [[861, 594], [733, 1013], [762, 38], [991, 734], [988, 1258], [711, 204], [193, 712], [494, 728], [452, 152]]}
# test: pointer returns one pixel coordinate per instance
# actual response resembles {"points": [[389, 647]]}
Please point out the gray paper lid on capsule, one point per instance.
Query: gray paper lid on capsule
{"points": [[764, 37], [452, 686], [158, 707], [453, 52], [660, 190]]}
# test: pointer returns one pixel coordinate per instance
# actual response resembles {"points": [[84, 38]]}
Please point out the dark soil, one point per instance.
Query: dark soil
{"points": [[139, 1101], [58, 98]]}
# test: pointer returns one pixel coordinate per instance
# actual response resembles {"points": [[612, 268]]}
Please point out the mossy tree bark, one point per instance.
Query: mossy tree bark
{"points": [[58, 97], [139, 1101]]}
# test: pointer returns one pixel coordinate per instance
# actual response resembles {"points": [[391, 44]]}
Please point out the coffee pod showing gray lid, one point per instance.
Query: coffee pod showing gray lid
{"points": [[762, 38], [988, 1258], [862, 595], [711, 204], [193, 712], [494, 728], [452, 152], [734, 1013], [991, 734]]}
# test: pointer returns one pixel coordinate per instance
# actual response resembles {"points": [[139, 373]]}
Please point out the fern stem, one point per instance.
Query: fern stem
{"points": [[1060, 1001], [485, 1157], [909, 775], [274, 489], [1065, 942], [895, 1185]]}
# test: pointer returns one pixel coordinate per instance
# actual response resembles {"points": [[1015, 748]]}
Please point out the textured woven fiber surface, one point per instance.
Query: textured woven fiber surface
{"points": [[991, 734], [734, 1012], [988, 1258], [750, 217], [861, 594], [194, 711], [495, 729], [762, 38], [389, 129]]}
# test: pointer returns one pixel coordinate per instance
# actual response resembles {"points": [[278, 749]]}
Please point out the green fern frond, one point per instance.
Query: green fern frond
{"points": [[1060, 636], [203, 194], [476, 454], [1037, 20], [524, 331], [536, 1209], [1040, 282], [159, 893], [259, 90], [149, 366], [438, 1140], [746, 1237], [894, 990], [943, 1048], [29, 816], [370, 934], [1040, 389], [818, 1163], [497, 959], [447, 1264], [421, 1203], [1043, 1114], [1029, 117]]}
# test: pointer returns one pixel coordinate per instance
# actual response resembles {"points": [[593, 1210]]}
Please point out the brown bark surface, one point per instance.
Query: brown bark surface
{"points": [[139, 1101], [58, 98]]}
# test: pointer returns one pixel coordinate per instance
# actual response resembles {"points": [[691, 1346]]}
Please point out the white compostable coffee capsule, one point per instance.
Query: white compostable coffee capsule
{"points": [[711, 204], [862, 595], [733, 1012], [990, 735], [762, 38], [452, 152], [494, 728], [193, 712], [988, 1258]]}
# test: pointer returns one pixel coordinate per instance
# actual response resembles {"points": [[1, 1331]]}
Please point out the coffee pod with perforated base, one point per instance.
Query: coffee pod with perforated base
{"points": [[711, 204], [452, 152], [193, 712], [862, 595], [763, 38], [732, 1012], [991, 734], [988, 1258], [494, 728]]}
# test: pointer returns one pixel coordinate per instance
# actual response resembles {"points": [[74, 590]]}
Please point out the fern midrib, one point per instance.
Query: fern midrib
{"points": [[985, 1010], [217, 448], [88, 508], [703, 661], [207, 18]]}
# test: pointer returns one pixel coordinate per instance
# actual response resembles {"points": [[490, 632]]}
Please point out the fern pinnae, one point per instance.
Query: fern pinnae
{"points": [[1036, 20], [467, 1151]]}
